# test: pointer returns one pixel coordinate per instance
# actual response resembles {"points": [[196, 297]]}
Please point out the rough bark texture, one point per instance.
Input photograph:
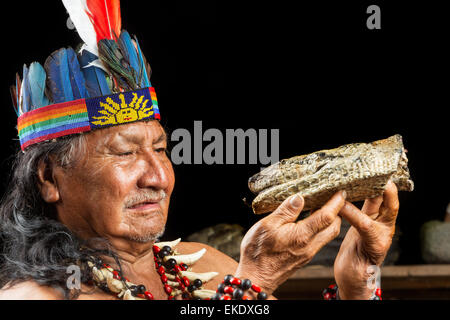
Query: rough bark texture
{"points": [[362, 169]]}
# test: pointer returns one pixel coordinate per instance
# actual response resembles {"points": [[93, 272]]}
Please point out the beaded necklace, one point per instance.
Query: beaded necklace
{"points": [[174, 272]]}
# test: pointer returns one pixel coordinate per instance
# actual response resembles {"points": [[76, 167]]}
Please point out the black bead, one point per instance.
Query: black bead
{"points": [[163, 253], [220, 287], [262, 296], [192, 288], [185, 295], [167, 248], [246, 284], [171, 263], [228, 279], [141, 289], [134, 290], [216, 296], [198, 283], [237, 294]]}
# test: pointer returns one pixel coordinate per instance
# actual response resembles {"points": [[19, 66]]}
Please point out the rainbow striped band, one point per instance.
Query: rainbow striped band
{"points": [[83, 115]]}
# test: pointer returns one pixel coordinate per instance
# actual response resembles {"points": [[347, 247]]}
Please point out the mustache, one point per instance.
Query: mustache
{"points": [[148, 196]]}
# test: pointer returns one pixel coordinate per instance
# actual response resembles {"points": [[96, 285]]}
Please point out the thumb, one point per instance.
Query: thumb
{"points": [[288, 211]]}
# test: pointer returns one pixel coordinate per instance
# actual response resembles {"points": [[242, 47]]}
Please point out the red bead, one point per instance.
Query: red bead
{"points": [[378, 292], [148, 295], [140, 295], [177, 268], [182, 287], [171, 298], [156, 249], [116, 275], [126, 279], [106, 265], [181, 266], [332, 286], [256, 288], [161, 270], [164, 278], [245, 298], [225, 297], [327, 296], [168, 289], [186, 281], [177, 279], [228, 289], [236, 281]]}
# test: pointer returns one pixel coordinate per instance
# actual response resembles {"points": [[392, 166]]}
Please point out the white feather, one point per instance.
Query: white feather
{"points": [[96, 63], [77, 10]]}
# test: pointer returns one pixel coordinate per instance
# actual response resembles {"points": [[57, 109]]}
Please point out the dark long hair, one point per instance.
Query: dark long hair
{"points": [[33, 244]]}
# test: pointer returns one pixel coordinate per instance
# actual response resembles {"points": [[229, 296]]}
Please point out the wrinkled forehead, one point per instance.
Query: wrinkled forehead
{"points": [[142, 133]]}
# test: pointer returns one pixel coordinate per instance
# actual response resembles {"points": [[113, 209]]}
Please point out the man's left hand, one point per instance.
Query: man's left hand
{"points": [[366, 243]]}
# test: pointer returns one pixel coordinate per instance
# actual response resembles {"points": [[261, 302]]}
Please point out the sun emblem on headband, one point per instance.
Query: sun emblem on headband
{"points": [[116, 113]]}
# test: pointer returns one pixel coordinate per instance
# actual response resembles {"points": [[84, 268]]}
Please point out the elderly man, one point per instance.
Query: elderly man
{"points": [[99, 199]]}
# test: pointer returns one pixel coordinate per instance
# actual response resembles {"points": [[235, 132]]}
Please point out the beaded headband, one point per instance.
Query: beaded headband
{"points": [[106, 83]]}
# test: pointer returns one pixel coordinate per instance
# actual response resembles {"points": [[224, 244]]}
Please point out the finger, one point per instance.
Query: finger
{"points": [[323, 217], [288, 211], [371, 206], [362, 223], [326, 235], [389, 207]]}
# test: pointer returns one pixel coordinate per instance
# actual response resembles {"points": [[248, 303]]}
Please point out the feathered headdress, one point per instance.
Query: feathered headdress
{"points": [[106, 83]]}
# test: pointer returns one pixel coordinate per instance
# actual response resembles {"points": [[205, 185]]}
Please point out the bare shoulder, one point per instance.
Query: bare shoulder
{"points": [[212, 260], [29, 290]]}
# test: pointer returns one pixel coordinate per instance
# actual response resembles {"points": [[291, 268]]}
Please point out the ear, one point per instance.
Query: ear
{"points": [[47, 182]]}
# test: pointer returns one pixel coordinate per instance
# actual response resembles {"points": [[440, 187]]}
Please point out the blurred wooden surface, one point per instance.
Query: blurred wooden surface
{"points": [[397, 282]]}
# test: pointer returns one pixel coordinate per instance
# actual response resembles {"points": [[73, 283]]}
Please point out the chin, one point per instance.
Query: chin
{"points": [[145, 237]]}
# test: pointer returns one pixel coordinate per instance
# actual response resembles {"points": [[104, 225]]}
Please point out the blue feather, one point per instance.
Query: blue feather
{"points": [[26, 91], [95, 77], [18, 91], [76, 76], [146, 80], [57, 67], [130, 54], [36, 81]]}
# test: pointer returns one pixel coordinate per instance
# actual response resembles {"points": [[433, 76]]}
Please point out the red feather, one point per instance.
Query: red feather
{"points": [[105, 16]]}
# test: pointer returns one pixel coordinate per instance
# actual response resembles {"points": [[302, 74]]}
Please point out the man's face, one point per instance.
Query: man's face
{"points": [[121, 187]]}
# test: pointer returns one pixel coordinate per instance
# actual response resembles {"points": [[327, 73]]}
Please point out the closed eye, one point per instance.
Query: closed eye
{"points": [[124, 154], [161, 150]]}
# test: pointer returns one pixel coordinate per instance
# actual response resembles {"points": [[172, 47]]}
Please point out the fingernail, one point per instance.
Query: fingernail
{"points": [[296, 201], [344, 194]]}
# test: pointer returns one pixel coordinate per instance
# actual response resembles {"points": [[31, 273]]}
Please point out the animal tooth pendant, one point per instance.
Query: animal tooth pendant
{"points": [[168, 243], [187, 258], [114, 285], [98, 275], [203, 293], [205, 277]]}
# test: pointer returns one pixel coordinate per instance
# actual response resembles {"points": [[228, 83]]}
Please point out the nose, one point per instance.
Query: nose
{"points": [[157, 172]]}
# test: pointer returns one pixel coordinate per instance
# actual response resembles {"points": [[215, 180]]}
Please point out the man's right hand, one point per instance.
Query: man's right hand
{"points": [[277, 245]]}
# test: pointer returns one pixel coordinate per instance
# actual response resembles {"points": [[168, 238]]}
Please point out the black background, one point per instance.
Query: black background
{"points": [[311, 69]]}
